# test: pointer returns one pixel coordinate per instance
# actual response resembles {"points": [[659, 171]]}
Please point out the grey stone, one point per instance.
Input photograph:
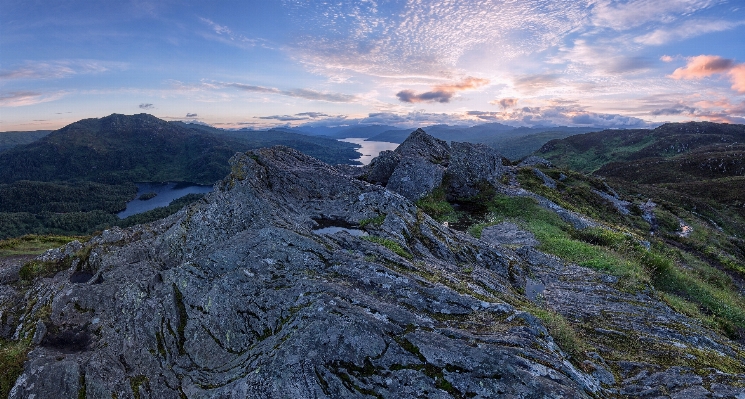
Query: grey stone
{"points": [[421, 145], [470, 166], [506, 233], [414, 178]]}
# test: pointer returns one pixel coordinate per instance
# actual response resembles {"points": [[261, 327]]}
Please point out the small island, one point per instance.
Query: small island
{"points": [[147, 196]]}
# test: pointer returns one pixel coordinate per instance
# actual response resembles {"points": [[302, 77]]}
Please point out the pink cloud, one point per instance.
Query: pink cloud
{"points": [[441, 93], [703, 66], [737, 74], [707, 65]]}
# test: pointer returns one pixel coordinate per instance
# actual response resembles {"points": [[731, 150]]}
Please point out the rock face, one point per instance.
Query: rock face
{"points": [[237, 296]]}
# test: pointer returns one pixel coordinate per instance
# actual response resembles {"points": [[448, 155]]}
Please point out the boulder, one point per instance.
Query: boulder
{"points": [[472, 165]]}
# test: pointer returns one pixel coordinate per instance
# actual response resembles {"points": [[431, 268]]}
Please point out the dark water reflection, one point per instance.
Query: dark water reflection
{"points": [[166, 192]]}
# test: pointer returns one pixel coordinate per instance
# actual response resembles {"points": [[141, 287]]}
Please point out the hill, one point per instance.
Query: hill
{"points": [[699, 166], [13, 138], [74, 180], [120, 148]]}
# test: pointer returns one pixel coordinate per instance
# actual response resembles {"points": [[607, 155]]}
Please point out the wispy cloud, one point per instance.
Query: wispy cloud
{"points": [[685, 30], [534, 83], [302, 116], [307, 94], [59, 69], [224, 34], [441, 93], [22, 98], [191, 115], [630, 14], [147, 106], [425, 37]]}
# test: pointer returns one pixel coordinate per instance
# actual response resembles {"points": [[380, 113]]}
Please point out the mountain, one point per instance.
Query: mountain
{"points": [[300, 279], [73, 180], [699, 166], [121, 148], [12, 138]]}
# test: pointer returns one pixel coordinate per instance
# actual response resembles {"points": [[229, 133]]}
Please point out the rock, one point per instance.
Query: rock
{"points": [[547, 181], [414, 178], [470, 166], [535, 161], [421, 145], [508, 234], [621, 206], [381, 168]]}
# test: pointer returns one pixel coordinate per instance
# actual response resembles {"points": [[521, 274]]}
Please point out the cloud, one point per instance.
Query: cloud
{"points": [[678, 110], [424, 37], [505, 102], [225, 35], [307, 94], [59, 69], [603, 58], [667, 58], [22, 98], [302, 116], [703, 66], [562, 115], [283, 118], [190, 115], [312, 114], [737, 74], [685, 30], [634, 13], [441, 93], [534, 83], [147, 106]]}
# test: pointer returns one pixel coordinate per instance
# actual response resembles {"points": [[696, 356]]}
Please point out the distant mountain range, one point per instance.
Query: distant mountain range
{"points": [[14, 138], [75, 179], [121, 148]]}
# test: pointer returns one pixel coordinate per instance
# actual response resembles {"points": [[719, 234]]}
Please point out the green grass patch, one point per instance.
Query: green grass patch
{"points": [[390, 244], [568, 339], [376, 221], [12, 357], [436, 206], [33, 244]]}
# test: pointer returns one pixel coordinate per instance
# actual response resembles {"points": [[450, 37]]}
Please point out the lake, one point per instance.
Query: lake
{"points": [[166, 192], [370, 149]]}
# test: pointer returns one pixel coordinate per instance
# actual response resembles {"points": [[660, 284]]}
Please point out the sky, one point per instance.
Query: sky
{"points": [[406, 63]]}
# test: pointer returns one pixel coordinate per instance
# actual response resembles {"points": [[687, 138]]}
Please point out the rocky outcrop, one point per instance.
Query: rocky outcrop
{"points": [[237, 295], [422, 163]]}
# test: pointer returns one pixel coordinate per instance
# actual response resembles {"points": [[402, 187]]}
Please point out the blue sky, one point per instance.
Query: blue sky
{"points": [[407, 63]]}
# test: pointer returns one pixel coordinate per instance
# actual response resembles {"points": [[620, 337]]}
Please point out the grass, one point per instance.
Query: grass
{"points": [[12, 357], [689, 284], [390, 244], [33, 244], [376, 221], [437, 207]]}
